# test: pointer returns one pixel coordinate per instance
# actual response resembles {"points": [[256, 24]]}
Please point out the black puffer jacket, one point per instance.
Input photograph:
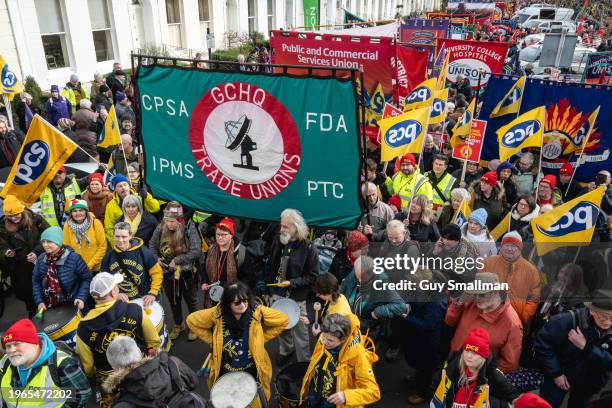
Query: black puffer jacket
{"points": [[494, 205], [148, 382], [10, 143]]}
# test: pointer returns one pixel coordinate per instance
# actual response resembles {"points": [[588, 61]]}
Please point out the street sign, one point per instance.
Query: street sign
{"points": [[210, 40]]}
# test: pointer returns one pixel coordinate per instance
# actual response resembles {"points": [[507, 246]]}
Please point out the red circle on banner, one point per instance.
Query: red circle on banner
{"points": [[245, 141]]}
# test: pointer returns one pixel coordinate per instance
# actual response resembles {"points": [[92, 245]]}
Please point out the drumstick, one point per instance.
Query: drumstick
{"points": [[278, 284], [316, 306], [204, 371]]}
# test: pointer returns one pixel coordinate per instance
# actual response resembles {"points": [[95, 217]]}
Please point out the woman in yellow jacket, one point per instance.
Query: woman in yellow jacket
{"points": [[237, 329], [340, 370], [327, 288], [84, 233]]}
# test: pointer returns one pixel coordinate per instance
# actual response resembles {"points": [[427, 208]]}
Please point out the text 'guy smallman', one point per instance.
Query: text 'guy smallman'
{"points": [[451, 285]]}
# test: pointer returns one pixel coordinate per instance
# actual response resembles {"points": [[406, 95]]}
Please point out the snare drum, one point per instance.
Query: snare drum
{"points": [[234, 390], [290, 308], [156, 315], [60, 323], [288, 385]]}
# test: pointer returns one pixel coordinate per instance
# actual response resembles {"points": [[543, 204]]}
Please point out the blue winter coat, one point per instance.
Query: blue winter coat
{"points": [[73, 274], [424, 323], [57, 109], [556, 355]]}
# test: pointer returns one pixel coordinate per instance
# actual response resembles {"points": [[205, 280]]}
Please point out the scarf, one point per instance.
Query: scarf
{"points": [[97, 202], [216, 261], [134, 223], [53, 289], [80, 230]]}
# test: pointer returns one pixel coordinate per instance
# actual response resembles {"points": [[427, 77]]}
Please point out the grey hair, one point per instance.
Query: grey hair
{"points": [[131, 199], [365, 185], [337, 325], [366, 265], [97, 75], [123, 352], [123, 226], [85, 103], [461, 193], [396, 225], [296, 218]]}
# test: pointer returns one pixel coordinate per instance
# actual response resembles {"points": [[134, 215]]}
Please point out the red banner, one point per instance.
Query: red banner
{"points": [[411, 69], [473, 147], [467, 57], [374, 55]]}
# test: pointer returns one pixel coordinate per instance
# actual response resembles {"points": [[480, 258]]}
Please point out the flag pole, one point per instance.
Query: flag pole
{"points": [[586, 140], [126, 164], [518, 112], [9, 110], [540, 163]]}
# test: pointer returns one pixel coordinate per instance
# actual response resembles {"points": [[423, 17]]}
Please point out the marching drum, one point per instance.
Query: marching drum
{"points": [[288, 384], [60, 323], [234, 390], [290, 308], [215, 293], [156, 315]]}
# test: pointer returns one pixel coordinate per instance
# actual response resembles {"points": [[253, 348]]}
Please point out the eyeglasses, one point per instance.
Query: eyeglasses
{"points": [[240, 301], [603, 316], [222, 234], [522, 204]]}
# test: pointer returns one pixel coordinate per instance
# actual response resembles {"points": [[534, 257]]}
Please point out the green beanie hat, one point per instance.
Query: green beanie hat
{"points": [[53, 234]]}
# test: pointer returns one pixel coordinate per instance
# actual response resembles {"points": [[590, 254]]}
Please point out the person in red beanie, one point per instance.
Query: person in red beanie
{"points": [[395, 202], [32, 361], [343, 262], [490, 195], [548, 192], [531, 400], [569, 188], [97, 196], [467, 374], [408, 181], [222, 260]]}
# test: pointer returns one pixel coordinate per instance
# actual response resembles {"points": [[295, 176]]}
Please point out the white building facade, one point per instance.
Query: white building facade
{"points": [[51, 39]]}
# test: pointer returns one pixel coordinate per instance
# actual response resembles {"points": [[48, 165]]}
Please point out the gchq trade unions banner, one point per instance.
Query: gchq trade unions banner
{"points": [[568, 107], [250, 145], [467, 57], [374, 55]]}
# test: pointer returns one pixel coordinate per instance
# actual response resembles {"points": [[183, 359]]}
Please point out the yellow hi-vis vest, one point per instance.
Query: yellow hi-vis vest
{"points": [[406, 186], [42, 381], [47, 207], [445, 185]]}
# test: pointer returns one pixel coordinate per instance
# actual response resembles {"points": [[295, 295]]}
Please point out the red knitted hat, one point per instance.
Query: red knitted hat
{"points": [[566, 169], [96, 177], [408, 158], [477, 341], [356, 240], [551, 180], [228, 224], [530, 400], [396, 201], [489, 178], [513, 238], [22, 330]]}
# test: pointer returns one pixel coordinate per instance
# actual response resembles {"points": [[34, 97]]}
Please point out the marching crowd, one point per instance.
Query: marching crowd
{"points": [[102, 248]]}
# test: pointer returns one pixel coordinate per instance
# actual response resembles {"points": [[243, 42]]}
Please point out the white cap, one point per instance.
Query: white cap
{"points": [[103, 283]]}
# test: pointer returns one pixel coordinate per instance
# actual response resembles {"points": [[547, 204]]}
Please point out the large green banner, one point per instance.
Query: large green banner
{"points": [[311, 14], [250, 144]]}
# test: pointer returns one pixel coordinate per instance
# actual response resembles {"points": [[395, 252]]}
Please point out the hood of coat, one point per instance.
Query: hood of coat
{"points": [[148, 378], [526, 218]]}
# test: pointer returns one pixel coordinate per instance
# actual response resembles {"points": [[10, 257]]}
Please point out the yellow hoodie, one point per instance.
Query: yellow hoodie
{"points": [[266, 324], [354, 375]]}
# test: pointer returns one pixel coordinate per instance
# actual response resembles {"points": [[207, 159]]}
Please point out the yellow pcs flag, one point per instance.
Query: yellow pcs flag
{"points": [[438, 107], [403, 133], [462, 214], [441, 82], [511, 102], [44, 150], [583, 134], [110, 135], [9, 84], [463, 127], [421, 95], [570, 224], [502, 228], [525, 131]]}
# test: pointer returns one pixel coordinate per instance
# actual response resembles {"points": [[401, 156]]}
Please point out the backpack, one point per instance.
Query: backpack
{"points": [[182, 398]]}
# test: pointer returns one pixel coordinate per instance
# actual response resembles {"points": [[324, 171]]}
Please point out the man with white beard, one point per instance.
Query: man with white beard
{"points": [[294, 266], [33, 363]]}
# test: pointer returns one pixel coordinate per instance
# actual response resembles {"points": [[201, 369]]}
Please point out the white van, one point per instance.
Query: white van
{"points": [[538, 12]]}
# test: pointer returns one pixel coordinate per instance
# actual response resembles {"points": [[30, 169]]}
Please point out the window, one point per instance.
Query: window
{"points": [[53, 35], [288, 14], [173, 14], [102, 30], [271, 11], [252, 15], [204, 10]]}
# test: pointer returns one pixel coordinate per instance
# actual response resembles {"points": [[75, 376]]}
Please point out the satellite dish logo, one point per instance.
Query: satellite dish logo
{"points": [[403, 133], [245, 141], [580, 218], [519, 132]]}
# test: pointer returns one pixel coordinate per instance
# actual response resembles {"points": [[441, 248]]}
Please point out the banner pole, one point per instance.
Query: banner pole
{"points": [[540, 163], [463, 170], [518, 112], [477, 94], [9, 111], [126, 165]]}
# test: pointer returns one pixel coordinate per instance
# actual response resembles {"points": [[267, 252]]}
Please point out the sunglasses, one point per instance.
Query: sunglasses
{"points": [[240, 301]]}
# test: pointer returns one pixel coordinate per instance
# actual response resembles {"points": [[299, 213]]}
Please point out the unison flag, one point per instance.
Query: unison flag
{"points": [[110, 134], [511, 102], [463, 127], [570, 224], [44, 150], [403, 133], [525, 131], [9, 84]]}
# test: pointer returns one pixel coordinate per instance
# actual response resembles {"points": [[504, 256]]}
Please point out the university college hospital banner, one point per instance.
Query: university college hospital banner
{"points": [[249, 145]]}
